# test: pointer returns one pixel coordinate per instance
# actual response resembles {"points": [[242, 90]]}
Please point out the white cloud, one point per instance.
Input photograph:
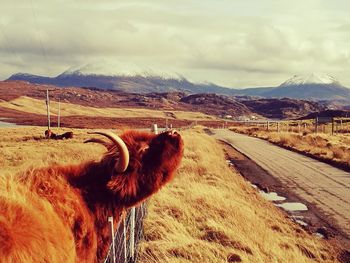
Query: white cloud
{"points": [[232, 43]]}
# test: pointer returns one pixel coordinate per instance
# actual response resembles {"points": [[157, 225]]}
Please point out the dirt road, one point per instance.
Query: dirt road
{"points": [[324, 186]]}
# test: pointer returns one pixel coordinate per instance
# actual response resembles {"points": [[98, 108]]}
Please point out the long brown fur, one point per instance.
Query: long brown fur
{"points": [[63, 210]]}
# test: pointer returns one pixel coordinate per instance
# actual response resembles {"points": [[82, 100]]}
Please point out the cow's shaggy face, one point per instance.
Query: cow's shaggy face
{"points": [[152, 161]]}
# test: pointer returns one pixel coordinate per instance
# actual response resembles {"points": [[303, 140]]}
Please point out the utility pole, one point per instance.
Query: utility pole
{"points": [[59, 113], [48, 109]]}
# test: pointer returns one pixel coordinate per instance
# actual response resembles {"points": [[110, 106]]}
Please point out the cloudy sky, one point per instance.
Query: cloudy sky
{"points": [[235, 43]]}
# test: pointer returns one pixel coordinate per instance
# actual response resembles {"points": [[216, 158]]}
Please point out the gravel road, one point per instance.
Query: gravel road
{"points": [[326, 187]]}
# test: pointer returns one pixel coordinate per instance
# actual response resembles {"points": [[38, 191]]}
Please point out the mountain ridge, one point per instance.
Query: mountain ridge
{"points": [[211, 104], [311, 87]]}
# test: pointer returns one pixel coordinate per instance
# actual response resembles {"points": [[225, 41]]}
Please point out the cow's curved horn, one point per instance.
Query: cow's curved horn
{"points": [[123, 150], [94, 140]]}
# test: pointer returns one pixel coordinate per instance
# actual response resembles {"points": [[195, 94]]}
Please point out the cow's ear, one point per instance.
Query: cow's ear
{"points": [[143, 148]]}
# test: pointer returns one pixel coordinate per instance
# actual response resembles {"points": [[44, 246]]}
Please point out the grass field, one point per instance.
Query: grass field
{"points": [[31, 105], [207, 214], [327, 147]]}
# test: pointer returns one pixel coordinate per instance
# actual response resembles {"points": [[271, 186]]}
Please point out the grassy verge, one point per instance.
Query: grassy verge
{"points": [[333, 149], [210, 214]]}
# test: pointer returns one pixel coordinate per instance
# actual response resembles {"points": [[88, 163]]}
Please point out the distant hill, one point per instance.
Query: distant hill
{"points": [[212, 104], [222, 105], [283, 108], [327, 113], [311, 87]]}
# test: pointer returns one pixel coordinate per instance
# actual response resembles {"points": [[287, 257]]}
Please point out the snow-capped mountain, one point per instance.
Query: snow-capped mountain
{"points": [[311, 87], [313, 78], [117, 69], [145, 82]]}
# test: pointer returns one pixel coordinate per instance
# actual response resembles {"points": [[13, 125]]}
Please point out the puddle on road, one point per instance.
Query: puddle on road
{"points": [[319, 235], [299, 219], [294, 209], [301, 222], [272, 196], [229, 163], [293, 206], [7, 124]]}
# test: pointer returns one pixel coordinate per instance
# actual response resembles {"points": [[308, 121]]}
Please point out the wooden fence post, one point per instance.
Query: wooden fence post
{"points": [[59, 114], [154, 128], [125, 246], [110, 221], [316, 125], [132, 233], [48, 109]]}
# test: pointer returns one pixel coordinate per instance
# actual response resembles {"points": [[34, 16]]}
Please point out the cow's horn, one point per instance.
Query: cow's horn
{"points": [[105, 144], [123, 150]]}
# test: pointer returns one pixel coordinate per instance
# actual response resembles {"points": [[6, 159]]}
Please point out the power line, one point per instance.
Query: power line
{"points": [[9, 45], [43, 50]]}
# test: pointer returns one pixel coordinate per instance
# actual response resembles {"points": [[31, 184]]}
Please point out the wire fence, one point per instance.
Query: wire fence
{"points": [[123, 248], [318, 125]]}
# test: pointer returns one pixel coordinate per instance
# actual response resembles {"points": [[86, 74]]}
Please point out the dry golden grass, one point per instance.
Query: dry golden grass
{"points": [[210, 214], [328, 147], [22, 148], [207, 214], [31, 105]]}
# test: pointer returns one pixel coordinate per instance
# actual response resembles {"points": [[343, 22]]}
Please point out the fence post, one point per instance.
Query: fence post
{"points": [[154, 128], [278, 126], [132, 233], [316, 125], [125, 246], [48, 109], [299, 127], [110, 221], [59, 114], [336, 127], [267, 125], [332, 126]]}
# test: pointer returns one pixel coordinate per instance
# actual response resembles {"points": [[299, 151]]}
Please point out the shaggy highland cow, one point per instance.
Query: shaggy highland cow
{"points": [[51, 135], [59, 213]]}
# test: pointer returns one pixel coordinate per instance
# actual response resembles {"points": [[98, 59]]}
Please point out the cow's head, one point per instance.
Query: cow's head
{"points": [[142, 163]]}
